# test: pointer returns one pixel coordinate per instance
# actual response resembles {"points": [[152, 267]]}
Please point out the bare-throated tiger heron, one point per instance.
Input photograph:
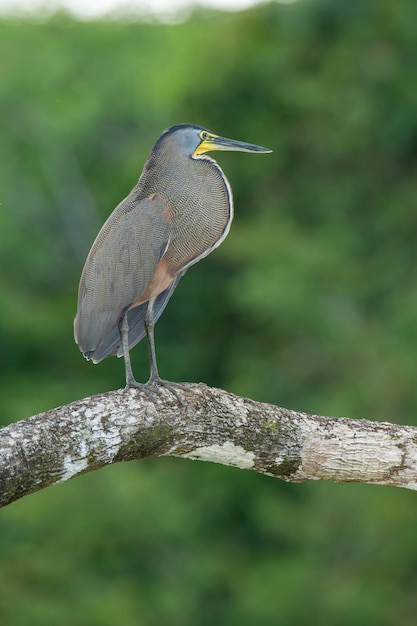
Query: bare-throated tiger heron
{"points": [[178, 212]]}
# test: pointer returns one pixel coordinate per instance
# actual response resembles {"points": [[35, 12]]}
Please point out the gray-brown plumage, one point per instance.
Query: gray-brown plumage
{"points": [[178, 212]]}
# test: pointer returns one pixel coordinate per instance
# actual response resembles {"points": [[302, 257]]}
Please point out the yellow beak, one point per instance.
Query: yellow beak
{"points": [[214, 142]]}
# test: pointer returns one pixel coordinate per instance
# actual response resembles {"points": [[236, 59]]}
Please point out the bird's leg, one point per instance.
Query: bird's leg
{"points": [[149, 326], [124, 334], [155, 379], [130, 379]]}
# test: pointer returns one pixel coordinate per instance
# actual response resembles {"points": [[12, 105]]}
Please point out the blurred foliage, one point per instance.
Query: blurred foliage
{"points": [[311, 303]]}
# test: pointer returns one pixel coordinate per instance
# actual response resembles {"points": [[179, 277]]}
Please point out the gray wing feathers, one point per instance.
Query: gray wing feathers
{"points": [[119, 268], [136, 320]]}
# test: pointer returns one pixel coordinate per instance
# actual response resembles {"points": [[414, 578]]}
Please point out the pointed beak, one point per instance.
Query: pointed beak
{"points": [[214, 142]]}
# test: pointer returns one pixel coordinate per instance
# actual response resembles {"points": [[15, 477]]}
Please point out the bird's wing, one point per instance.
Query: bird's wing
{"points": [[120, 267], [111, 344]]}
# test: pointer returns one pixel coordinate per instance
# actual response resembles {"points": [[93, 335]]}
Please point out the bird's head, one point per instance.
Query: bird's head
{"points": [[194, 141]]}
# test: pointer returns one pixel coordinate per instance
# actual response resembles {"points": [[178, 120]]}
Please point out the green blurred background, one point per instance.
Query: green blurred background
{"points": [[311, 303]]}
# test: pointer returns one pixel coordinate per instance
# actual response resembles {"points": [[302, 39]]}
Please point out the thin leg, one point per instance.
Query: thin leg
{"points": [[149, 326], [155, 380], [152, 386], [124, 333], [130, 379]]}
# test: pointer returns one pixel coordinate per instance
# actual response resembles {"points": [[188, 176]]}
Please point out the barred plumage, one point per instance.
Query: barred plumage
{"points": [[179, 211]]}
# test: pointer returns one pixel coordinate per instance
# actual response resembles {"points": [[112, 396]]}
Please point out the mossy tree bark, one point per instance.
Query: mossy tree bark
{"points": [[210, 425]]}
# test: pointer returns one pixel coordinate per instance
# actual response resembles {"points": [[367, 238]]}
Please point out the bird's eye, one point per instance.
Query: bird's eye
{"points": [[204, 135]]}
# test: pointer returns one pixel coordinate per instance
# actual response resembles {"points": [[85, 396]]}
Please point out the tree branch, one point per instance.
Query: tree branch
{"points": [[212, 425]]}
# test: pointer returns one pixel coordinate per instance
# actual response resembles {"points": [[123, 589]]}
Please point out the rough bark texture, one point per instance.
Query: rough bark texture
{"points": [[211, 425]]}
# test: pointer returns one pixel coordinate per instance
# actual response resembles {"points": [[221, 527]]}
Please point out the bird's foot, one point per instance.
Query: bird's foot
{"points": [[150, 393], [154, 385]]}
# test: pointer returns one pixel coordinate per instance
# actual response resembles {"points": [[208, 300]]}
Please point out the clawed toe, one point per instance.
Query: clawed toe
{"points": [[145, 388], [157, 383], [154, 385]]}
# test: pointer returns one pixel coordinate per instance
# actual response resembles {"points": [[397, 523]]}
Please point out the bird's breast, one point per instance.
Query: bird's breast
{"points": [[202, 210]]}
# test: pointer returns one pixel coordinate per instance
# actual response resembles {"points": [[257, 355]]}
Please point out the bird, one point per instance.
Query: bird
{"points": [[179, 211]]}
